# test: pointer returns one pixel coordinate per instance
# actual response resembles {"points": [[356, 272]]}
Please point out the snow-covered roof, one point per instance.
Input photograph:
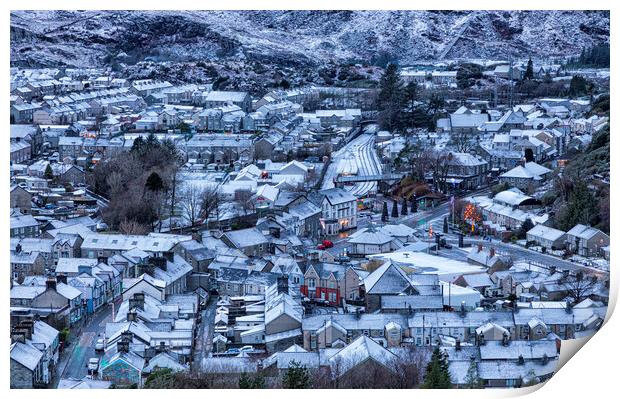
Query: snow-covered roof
{"points": [[72, 265], [397, 230], [387, 279], [26, 355], [537, 169], [548, 233], [268, 192], [468, 120], [511, 197], [519, 172], [359, 351], [226, 96], [337, 196], [583, 232], [371, 237], [246, 237]]}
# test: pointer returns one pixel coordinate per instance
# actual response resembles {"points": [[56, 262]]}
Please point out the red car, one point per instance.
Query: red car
{"points": [[328, 244]]}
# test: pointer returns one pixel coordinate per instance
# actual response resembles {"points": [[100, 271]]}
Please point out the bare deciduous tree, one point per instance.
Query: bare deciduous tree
{"points": [[191, 202], [132, 227], [580, 286], [211, 200], [244, 199], [462, 142]]}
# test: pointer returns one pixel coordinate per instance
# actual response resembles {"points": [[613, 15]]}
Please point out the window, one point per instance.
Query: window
{"points": [[311, 283]]}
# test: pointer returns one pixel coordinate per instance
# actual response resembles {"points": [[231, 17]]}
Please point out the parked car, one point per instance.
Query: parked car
{"points": [[328, 244], [232, 351], [247, 348], [100, 345], [321, 302], [93, 365]]}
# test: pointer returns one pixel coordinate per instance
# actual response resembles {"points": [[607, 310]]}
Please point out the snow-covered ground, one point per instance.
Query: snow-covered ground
{"points": [[358, 157]]}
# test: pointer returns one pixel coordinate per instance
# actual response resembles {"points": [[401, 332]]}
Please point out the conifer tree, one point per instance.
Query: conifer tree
{"points": [[296, 377], [414, 205], [404, 211], [529, 71], [384, 214], [394, 209], [48, 174], [389, 99], [437, 373], [472, 380]]}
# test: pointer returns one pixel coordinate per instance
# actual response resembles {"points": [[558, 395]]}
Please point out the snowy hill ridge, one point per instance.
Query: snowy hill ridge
{"points": [[96, 38]]}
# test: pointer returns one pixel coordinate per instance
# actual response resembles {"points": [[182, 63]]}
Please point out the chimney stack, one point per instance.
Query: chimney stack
{"points": [[139, 300], [569, 306], [169, 255], [18, 336], [126, 336], [160, 261], [491, 252], [479, 247], [552, 270], [122, 346], [61, 278], [480, 339], [50, 284], [283, 284], [457, 344], [505, 339], [132, 315]]}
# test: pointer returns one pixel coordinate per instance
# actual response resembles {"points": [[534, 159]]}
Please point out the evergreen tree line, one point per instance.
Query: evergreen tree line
{"points": [[593, 57], [399, 106]]}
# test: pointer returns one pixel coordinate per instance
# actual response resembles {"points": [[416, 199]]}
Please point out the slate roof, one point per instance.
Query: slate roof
{"points": [[387, 279], [357, 352], [26, 355], [415, 302]]}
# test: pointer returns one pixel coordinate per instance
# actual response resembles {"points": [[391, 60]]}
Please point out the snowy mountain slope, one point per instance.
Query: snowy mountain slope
{"points": [[86, 38]]}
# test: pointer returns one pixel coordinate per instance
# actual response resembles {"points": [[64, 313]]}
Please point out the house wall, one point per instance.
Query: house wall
{"points": [[281, 323], [21, 377], [327, 337], [121, 373], [21, 199], [146, 288]]}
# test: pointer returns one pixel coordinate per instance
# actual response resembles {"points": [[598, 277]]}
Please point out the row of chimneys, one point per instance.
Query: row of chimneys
{"points": [[126, 338], [51, 281], [157, 261], [480, 340], [553, 270], [23, 331], [491, 250], [136, 302]]}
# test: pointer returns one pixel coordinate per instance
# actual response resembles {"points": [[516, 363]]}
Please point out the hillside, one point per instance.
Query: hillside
{"points": [[295, 38]]}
